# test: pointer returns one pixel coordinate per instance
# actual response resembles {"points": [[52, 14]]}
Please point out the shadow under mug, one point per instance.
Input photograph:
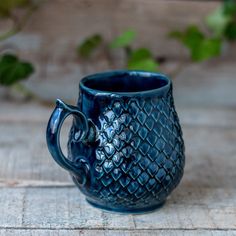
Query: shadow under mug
{"points": [[125, 148]]}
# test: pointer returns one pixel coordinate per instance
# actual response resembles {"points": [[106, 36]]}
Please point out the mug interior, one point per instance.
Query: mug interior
{"points": [[125, 81]]}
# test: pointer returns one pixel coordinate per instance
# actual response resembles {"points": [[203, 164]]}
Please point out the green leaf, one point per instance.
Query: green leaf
{"points": [[200, 47], [13, 70], [191, 37], [87, 47], [207, 49], [176, 35], [123, 40], [6, 6], [140, 54], [230, 31], [217, 21], [229, 8], [142, 59], [148, 64]]}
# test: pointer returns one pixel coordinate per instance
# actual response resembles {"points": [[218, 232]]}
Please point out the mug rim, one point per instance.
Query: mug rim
{"points": [[140, 73]]}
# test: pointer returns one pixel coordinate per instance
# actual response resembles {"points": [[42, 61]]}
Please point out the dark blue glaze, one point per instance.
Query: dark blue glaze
{"points": [[125, 148]]}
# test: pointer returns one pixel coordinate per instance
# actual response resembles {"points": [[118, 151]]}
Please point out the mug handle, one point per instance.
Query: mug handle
{"points": [[79, 169]]}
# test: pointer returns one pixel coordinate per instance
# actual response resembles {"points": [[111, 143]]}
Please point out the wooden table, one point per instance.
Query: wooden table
{"points": [[37, 197]]}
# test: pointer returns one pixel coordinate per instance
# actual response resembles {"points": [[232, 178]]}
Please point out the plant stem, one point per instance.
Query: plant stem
{"points": [[173, 74], [17, 27], [128, 51], [108, 57], [24, 91], [28, 95], [8, 34]]}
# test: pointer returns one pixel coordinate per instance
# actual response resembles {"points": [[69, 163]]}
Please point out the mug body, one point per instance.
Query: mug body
{"points": [[135, 151]]}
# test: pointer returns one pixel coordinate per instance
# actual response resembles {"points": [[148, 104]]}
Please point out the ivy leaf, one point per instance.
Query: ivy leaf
{"points": [[13, 70], [207, 49], [123, 40], [140, 54], [142, 59], [230, 12], [201, 48], [217, 21], [87, 47], [6, 6], [191, 37], [148, 64], [230, 31], [229, 8]]}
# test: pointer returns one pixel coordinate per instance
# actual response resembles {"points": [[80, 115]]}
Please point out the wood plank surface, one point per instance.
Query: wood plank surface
{"points": [[151, 19], [189, 115], [16, 232], [37, 197], [58, 69], [210, 155], [65, 208], [24, 155]]}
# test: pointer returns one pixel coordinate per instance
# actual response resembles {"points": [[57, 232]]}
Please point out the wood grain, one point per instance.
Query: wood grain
{"points": [[58, 68], [24, 155], [191, 115], [210, 154], [65, 208], [40, 232], [37, 197]]}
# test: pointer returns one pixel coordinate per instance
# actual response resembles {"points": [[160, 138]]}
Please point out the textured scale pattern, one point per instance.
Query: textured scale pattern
{"points": [[140, 156]]}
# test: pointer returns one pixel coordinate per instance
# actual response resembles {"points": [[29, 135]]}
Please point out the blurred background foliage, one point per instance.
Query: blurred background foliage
{"points": [[220, 27], [12, 68], [136, 58], [202, 43]]}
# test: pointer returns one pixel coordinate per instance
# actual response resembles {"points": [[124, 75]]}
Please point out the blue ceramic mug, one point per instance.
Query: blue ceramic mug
{"points": [[125, 148]]}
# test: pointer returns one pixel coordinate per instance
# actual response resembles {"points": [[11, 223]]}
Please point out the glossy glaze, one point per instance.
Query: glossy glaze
{"points": [[126, 151]]}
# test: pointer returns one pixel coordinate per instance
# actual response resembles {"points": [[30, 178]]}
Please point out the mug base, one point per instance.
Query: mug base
{"points": [[142, 210]]}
